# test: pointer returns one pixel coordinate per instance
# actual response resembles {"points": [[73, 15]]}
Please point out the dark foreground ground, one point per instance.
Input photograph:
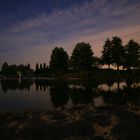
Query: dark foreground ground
{"points": [[78, 123]]}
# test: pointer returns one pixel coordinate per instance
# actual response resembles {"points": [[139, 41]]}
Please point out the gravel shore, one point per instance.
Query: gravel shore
{"points": [[78, 123]]}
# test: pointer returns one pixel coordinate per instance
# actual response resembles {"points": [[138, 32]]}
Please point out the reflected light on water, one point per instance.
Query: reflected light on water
{"points": [[115, 86]]}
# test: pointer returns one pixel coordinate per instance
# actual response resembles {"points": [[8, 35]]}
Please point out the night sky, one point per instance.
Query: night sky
{"points": [[30, 29]]}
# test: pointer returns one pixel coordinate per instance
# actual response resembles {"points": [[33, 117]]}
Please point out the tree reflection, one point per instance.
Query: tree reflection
{"points": [[109, 83], [59, 94], [81, 92], [81, 95], [16, 84], [128, 95], [42, 84], [132, 95]]}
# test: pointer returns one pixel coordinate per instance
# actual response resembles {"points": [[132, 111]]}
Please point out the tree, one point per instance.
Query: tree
{"points": [[41, 69], [44, 66], [117, 52], [22, 70], [5, 68], [96, 61], [37, 68], [106, 53], [59, 60], [28, 67], [13, 70], [82, 56], [132, 54], [41, 66]]}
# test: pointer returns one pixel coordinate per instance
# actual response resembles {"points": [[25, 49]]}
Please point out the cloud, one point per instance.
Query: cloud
{"points": [[92, 22]]}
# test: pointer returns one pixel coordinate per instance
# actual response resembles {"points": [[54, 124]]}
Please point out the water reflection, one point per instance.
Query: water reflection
{"points": [[60, 93], [121, 93], [81, 95], [41, 84], [16, 84], [112, 86]]}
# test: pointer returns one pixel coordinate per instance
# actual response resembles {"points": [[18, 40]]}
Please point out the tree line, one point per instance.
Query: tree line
{"points": [[16, 70], [114, 53], [83, 59]]}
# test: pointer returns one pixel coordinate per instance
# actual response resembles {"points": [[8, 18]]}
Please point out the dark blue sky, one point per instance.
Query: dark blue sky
{"points": [[30, 29], [22, 9], [18, 10]]}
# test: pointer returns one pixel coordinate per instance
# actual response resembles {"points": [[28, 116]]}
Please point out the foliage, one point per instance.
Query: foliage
{"points": [[114, 53], [132, 54], [59, 60], [4, 68], [37, 68], [41, 70], [106, 53], [82, 56], [96, 61], [117, 52], [14, 70]]}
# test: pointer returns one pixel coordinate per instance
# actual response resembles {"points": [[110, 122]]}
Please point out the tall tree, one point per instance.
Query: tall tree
{"points": [[5, 68], [41, 66], [28, 67], [132, 54], [44, 66], [106, 53], [117, 52], [41, 69], [96, 61], [82, 56], [37, 68], [59, 60]]}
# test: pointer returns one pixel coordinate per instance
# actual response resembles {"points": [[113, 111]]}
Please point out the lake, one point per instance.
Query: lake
{"points": [[48, 95]]}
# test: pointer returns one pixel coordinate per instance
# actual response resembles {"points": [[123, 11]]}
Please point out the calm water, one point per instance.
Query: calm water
{"points": [[39, 94]]}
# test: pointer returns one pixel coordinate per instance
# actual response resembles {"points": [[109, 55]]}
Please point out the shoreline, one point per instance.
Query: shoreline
{"points": [[82, 122]]}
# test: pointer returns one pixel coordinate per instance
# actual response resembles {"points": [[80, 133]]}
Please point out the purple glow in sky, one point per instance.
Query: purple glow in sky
{"points": [[29, 30]]}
